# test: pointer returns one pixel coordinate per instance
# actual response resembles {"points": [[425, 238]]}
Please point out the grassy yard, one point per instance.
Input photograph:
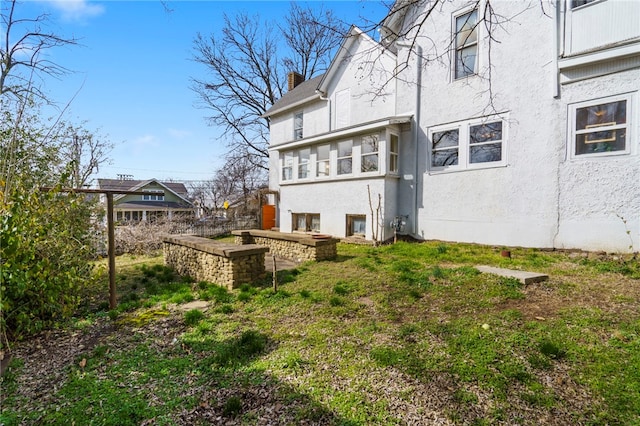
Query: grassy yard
{"points": [[401, 334]]}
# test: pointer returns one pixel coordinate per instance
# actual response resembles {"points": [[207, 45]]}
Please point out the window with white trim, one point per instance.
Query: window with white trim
{"points": [[153, 197], [394, 151], [345, 157], [466, 44], [578, 3], [298, 124], [323, 165], [601, 127], [369, 152], [468, 144], [304, 163], [287, 166]]}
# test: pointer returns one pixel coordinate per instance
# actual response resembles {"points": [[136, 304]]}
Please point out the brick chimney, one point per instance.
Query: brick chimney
{"points": [[294, 79]]}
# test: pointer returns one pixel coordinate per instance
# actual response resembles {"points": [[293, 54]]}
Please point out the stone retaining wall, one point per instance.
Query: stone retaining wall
{"points": [[227, 265], [295, 247]]}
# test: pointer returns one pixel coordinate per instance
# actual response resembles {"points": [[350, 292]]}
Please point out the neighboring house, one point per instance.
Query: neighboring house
{"points": [[525, 138], [148, 207]]}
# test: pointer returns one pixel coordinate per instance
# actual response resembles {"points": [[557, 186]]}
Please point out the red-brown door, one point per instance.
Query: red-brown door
{"points": [[268, 216]]}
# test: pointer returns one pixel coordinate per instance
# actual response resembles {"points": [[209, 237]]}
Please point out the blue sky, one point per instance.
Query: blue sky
{"points": [[132, 76]]}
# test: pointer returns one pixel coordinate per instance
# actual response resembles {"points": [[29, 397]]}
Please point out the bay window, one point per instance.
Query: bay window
{"points": [[287, 166], [394, 149], [369, 153], [304, 166], [345, 159], [323, 167]]}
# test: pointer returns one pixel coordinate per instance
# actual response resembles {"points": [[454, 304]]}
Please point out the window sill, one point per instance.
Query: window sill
{"points": [[466, 169], [603, 155]]}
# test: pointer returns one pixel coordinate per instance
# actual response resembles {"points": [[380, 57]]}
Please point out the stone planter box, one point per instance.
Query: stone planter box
{"points": [[294, 247], [228, 265]]}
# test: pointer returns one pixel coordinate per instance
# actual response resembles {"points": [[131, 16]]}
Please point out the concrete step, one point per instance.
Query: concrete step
{"points": [[523, 276]]}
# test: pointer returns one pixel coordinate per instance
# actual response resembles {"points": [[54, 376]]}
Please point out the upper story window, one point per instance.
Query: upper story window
{"points": [[578, 3], [304, 164], [369, 151], [287, 166], [600, 127], [153, 197], [394, 151], [345, 157], [466, 44], [298, 123], [323, 167], [468, 144]]}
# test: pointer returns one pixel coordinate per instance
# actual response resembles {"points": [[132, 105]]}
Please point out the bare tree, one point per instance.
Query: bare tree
{"points": [[311, 36], [82, 152], [247, 67], [23, 44]]}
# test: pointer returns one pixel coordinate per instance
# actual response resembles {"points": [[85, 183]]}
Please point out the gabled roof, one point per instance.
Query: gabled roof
{"points": [[303, 93], [392, 24], [176, 188], [316, 87], [344, 53]]}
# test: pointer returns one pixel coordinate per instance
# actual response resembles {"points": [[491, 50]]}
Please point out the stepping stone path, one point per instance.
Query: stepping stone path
{"points": [[523, 276]]}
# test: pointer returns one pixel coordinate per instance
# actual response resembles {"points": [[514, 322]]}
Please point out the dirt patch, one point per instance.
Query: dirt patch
{"points": [[613, 294]]}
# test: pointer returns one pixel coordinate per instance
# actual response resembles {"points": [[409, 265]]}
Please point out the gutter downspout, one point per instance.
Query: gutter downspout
{"points": [[559, 35], [414, 129], [416, 136]]}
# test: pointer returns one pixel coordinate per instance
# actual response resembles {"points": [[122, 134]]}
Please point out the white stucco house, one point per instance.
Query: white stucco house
{"points": [[517, 129]]}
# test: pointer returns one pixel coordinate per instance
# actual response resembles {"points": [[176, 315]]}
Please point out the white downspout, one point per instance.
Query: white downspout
{"points": [[416, 137], [414, 130]]}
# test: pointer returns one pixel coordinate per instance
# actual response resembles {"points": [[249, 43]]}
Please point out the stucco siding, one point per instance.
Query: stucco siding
{"points": [[333, 201], [600, 197], [514, 203]]}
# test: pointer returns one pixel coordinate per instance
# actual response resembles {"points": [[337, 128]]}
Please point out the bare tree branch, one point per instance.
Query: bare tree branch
{"points": [[247, 66], [22, 53]]}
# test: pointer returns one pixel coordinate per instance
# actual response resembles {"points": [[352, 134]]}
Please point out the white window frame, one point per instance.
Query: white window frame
{"points": [[323, 164], [298, 125], [457, 48], [363, 142], [153, 196], [304, 163], [287, 164], [345, 157], [627, 126], [394, 156], [464, 145], [573, 6]]}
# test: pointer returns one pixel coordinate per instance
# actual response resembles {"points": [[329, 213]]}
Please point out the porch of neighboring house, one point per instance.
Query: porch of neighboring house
{"points": [[141, 212]]}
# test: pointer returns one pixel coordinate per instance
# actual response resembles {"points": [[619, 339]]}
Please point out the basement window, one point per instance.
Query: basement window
{"points": [[356, 225], [306, 222]]}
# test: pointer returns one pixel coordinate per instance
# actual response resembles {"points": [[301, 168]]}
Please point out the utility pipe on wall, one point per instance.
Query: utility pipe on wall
{"points": [[414, 130]]}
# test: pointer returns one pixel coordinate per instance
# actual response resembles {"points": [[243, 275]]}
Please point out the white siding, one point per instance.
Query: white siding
{"points": [[601, 23]]}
